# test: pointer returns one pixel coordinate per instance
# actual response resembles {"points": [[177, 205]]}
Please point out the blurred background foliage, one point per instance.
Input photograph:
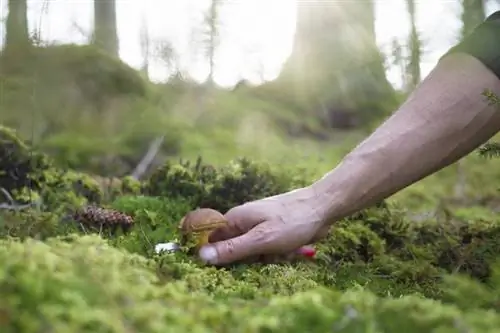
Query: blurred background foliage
{"points": [[80, 125], [91, 111]]}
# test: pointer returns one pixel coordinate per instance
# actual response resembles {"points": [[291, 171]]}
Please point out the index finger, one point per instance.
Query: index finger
{"points": [[240, 220], [256, 241]]}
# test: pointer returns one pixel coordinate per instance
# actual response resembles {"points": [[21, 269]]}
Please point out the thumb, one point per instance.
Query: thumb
{"points": [[252, 243]]}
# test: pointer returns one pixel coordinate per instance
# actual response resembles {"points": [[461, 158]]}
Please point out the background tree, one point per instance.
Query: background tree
{"points": [[399, 60], [204, 37], [17, 24], [105, 31], [335, 67], [415, 49], [213, 33], [473, 14]]}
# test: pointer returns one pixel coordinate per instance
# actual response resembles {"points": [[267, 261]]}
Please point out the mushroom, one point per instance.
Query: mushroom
{"points": [[196, 226]]}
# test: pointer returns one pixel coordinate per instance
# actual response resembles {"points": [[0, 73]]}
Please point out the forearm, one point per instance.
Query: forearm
{"points": [[443, 120]]}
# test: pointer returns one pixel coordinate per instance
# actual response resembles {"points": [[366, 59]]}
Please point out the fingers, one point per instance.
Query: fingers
{"points": [[246, 236], [240, 220], [255, 242], [260, 242]]}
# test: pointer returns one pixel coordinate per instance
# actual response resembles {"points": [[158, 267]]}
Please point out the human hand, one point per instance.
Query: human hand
{"points": [[265, 228]]}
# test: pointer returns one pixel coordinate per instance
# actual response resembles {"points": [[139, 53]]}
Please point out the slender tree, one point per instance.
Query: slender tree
{"points": [[473, 13], [204, 37], [105, 30], [212, 21], [415, 49], [17, 24], [399, 60]]}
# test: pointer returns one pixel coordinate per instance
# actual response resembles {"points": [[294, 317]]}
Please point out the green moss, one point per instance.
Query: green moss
{"points": [[238, 182], [53, 96], [377, 271], [83, 284], [96, 73], [18, 162], [29, 176]]}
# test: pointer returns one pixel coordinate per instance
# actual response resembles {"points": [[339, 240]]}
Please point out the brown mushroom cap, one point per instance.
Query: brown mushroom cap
{"points": [[198, 224], [202, 219]]}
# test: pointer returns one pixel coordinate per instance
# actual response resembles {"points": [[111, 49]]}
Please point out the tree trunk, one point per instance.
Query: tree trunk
{"points": [[335, 61], [472, 15], [105, 31], [17, 25], [415, 49], [212, 39]]}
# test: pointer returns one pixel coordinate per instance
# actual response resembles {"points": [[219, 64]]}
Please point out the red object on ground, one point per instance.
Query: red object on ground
{"points": [[307, 251]]}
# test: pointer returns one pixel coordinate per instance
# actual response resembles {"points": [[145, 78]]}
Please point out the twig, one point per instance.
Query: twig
{"points": [[148, 158], [7, 195], [83, 227], [13, 205], [16, 207]]}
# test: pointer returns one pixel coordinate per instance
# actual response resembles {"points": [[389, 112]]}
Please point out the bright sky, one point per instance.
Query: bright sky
{"points": [[257, 35]]}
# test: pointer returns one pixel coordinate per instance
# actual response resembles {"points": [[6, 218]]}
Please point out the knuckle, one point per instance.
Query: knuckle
{"points": [[234, 219], [263, 236], [229, 247], [238, 227]]}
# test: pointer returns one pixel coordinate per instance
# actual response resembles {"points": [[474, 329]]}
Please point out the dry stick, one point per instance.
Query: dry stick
{"points": [[7, 195], [13, 205], [148, 158], [83, 228]]}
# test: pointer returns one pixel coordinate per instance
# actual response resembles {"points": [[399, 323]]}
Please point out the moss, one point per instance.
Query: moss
{"points": [[52, 96], [29, 176], [376, 271], [373, 272], [83, 284], [238, 182], [96, 73], [18, 162]]}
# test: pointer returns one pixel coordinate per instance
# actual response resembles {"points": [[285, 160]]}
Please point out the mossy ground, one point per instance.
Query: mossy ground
{"points": [[378, 271], [423, 261]]}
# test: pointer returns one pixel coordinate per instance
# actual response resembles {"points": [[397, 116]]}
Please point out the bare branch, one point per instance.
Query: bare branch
{"points": [[148, 158]]}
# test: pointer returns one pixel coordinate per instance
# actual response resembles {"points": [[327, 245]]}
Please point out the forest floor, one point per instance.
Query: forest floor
{"points": [[425, 260]]}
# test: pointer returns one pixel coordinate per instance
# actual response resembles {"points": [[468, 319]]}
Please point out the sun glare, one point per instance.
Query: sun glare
{"points": [[256, 35]]}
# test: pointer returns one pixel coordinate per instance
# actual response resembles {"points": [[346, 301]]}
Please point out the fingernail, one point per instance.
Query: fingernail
{"points": [[208, 254]]}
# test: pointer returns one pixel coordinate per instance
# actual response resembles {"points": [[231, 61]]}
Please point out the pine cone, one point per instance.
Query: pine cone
{"points": [[102, 218]]}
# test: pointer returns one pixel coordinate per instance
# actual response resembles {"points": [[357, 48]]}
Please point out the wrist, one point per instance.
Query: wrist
{"points": [[328, 204], [305, 204], [339, 193]]}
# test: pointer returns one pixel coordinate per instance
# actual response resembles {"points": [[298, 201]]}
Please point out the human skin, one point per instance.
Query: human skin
{"points": [[444, 119]]}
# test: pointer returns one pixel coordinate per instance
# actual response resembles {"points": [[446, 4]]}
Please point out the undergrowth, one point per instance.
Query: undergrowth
{"points": [[377, 271], [421, 261]]}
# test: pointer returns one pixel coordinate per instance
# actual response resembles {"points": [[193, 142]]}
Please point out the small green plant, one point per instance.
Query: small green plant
{"points": [[240, 181]]}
